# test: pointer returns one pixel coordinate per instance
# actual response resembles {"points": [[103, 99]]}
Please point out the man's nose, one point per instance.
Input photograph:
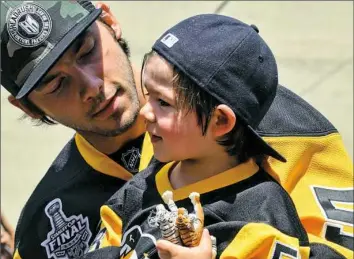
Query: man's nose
{"points": [[147, 112], [91, 85]]}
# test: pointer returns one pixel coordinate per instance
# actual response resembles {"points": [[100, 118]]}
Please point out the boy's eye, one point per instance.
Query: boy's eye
{"points": [[163, 103]]}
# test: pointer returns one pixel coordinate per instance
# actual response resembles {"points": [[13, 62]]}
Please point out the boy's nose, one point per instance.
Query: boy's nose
{"points": [[147, 112]]}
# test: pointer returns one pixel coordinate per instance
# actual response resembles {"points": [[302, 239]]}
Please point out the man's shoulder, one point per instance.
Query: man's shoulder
{"points": [[48, 227], [290, 115], [64, 171]]}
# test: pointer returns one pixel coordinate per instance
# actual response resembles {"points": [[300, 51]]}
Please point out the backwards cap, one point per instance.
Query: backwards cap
{"points": [[228, 59]]}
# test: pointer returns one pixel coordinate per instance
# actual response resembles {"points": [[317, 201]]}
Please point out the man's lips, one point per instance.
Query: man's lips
{"points": [[106, 108]]}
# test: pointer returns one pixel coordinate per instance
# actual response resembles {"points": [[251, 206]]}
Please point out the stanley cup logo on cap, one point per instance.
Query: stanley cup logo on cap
{"points": [[29, 25]]}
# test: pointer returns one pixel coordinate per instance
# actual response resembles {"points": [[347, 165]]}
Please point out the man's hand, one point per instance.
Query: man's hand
{"points": [[168, 250]]}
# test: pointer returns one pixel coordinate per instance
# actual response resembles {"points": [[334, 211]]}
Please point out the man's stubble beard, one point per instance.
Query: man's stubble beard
{"points": [[134, 108], [132, 94]]}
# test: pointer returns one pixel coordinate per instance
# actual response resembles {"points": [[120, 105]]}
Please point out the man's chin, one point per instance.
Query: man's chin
{"points": [[114, 131]]}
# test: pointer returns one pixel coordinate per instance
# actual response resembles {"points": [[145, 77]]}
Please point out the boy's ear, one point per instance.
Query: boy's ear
{"points": [[109, 18], [224, 120], [15, 102]]}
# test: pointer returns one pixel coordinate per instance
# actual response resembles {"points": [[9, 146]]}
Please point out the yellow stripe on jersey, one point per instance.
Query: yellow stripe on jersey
{"points": [[110, 233], [229, 177], [259, 240], [99, 161], [17, 255], [146, 153], [113, 224]]}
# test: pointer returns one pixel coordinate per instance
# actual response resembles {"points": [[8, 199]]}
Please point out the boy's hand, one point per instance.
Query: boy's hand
{"points": [[109, 18], [168, 250]]}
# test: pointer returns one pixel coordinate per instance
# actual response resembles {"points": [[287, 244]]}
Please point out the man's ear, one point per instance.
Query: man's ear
{"points": [[15, 102], [108, 17], [223, 121]]}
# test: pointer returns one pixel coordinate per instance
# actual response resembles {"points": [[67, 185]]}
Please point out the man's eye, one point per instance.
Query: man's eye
{"points": [[58, 86], [88, 49], [163, 103], [86, 54]]}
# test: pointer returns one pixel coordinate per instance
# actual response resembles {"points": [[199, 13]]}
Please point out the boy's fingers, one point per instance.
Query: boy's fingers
{"points": [[166, 249], [205, 241]]}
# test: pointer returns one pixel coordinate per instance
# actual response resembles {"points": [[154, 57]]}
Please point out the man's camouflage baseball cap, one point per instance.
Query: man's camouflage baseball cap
{"points": [[34, 34]]}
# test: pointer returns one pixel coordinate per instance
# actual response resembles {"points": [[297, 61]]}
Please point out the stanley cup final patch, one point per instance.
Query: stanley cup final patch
{"points": [[69, 236], [29, 25]]}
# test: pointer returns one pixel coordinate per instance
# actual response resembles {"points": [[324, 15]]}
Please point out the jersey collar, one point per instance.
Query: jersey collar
{"points": [[229, 177], [99, 161]]}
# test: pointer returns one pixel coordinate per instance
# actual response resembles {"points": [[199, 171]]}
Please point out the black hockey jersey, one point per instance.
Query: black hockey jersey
{"points": [[61, 217], [247, 211]]}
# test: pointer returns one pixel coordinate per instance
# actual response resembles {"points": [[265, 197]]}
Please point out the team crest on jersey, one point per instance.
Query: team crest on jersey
{"points": [[29, 25], [69, 236], [131, 158], [135, 244], [130, 248]]}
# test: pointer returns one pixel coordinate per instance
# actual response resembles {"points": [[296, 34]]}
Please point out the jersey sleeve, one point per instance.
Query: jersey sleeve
{"points": [[319, 178], [318, 173], [28, 244], [259, 240], [110, 233]]}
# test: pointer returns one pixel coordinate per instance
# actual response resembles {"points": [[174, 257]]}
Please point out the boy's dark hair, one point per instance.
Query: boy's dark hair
{"points": [[44, 119], [191, 97]]}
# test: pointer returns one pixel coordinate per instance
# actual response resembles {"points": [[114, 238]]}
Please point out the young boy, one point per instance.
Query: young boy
{"points": [[210, 81]]}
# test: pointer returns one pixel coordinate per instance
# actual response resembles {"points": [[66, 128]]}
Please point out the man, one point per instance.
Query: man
{"points": [[57, 70], [94, 83]]}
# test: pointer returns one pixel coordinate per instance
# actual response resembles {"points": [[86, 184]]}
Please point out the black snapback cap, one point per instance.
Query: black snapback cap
{"points": [[34, 34]]}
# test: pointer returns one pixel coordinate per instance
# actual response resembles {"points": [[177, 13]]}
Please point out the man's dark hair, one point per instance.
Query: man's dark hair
{"points": [[191, 97], [44, 119]]}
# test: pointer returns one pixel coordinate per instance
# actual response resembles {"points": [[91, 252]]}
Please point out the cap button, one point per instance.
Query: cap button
{"points": [[254, 28]]}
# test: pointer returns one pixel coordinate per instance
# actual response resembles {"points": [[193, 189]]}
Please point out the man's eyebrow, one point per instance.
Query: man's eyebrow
{"points": [[47, 79], [75, 47], [79, 41]]}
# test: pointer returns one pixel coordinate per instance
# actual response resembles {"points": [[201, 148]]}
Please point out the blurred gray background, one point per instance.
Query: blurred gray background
{"points": [[312, 42]]}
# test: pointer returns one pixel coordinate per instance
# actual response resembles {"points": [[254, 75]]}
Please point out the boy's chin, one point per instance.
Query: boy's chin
{"points": [[162, 158]]}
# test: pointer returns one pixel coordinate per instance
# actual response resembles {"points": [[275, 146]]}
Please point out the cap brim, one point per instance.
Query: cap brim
{"points": [[50, 59], [263, 147]]}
